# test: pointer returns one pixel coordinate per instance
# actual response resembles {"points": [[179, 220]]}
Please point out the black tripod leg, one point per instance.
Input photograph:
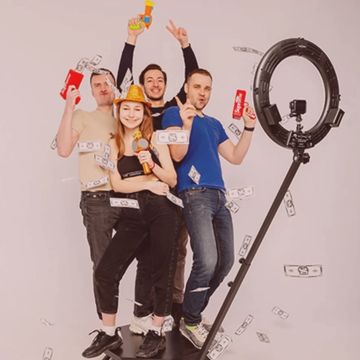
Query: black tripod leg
{"points": [[246, 262]]}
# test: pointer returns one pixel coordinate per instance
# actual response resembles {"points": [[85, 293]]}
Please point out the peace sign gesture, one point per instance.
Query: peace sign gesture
{"points": [[179, 33]]}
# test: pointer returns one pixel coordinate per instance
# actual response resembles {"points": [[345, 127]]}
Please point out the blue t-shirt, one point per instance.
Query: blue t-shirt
{"points": [[206, 134]]}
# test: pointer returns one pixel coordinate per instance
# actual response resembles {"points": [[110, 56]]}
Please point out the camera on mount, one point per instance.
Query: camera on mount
{"points": [[297, 108]]}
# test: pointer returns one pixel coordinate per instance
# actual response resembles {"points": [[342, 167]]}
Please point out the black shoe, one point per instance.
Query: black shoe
{"points": [[153, 344], [177, 313], [101, 343]]}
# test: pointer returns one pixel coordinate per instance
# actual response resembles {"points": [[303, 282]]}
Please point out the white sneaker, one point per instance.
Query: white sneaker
{"points": [[196, 334], [141, 325]]}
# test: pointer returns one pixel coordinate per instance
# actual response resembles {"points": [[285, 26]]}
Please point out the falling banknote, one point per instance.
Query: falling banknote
{"points": [[281, 313], [232, 206], [48, 353], [172, 137], [194, 175], [246, 323], [303, 271], [263, 337], [219, 347], [245, 245], [89, 146], [234, 129], [104, 163], [289, 204], [241, 193]]}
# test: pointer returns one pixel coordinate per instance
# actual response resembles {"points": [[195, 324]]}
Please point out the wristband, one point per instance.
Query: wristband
{"points": [[249, 128]]}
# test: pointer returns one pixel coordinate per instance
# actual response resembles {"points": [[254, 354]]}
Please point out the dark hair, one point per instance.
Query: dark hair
{"points": [[198, 71], [151, 67], [94, 73]]}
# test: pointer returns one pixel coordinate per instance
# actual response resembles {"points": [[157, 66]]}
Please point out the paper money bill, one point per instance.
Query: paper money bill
{"points": [[303, 271], [289, 204], [112, 87], [232, 206], [104, 163], [248, 50], [246, 323], [235, 130], [46, 322], [48, 353], [194, 175], [168, 324], [219, 347], [124, 202], [107, 151], [241, 193], [93, 184], [174, 199], [89, 146], [245, 245], [81, 64], [53, 144], [96, 60], [127, 81], [263, 337], [172, 137], [281, 313]]}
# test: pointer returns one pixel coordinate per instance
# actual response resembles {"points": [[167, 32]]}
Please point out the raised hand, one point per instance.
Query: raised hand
{"points": [[71, 95], [135, 28], [187, 112], [179, 33], [249, 115]]}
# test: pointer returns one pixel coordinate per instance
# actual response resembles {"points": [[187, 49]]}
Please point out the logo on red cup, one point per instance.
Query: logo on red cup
{"points": [[239, 104]]}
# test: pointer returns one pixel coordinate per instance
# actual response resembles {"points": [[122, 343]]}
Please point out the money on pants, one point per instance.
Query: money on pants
{"points": [[174, 199], [124, 202]]}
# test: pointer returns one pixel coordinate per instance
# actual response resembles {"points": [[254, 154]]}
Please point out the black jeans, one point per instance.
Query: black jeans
{"points": [[158, 221], [99, 219]]}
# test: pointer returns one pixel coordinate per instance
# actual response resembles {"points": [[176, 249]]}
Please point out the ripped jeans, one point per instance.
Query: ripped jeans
{"points": [[210, 229]]}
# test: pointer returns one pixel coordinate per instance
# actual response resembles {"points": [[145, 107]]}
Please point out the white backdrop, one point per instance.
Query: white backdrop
{"points": [[46, 291]]}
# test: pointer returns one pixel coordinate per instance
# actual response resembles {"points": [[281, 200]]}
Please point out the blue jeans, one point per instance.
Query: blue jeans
{"points": [[210, 229]]}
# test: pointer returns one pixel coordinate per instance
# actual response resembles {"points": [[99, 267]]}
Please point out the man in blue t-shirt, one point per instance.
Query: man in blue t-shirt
{"points": [[202, 189]]}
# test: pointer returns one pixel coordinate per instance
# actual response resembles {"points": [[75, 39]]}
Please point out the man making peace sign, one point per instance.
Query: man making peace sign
{"points": [[202, 189]]}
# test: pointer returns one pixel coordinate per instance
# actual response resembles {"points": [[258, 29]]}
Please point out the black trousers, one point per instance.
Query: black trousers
{"points": [[157, 221]]}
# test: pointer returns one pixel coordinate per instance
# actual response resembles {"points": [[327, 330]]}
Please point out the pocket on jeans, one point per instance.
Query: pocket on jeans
{"points": [[195, 191]]}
